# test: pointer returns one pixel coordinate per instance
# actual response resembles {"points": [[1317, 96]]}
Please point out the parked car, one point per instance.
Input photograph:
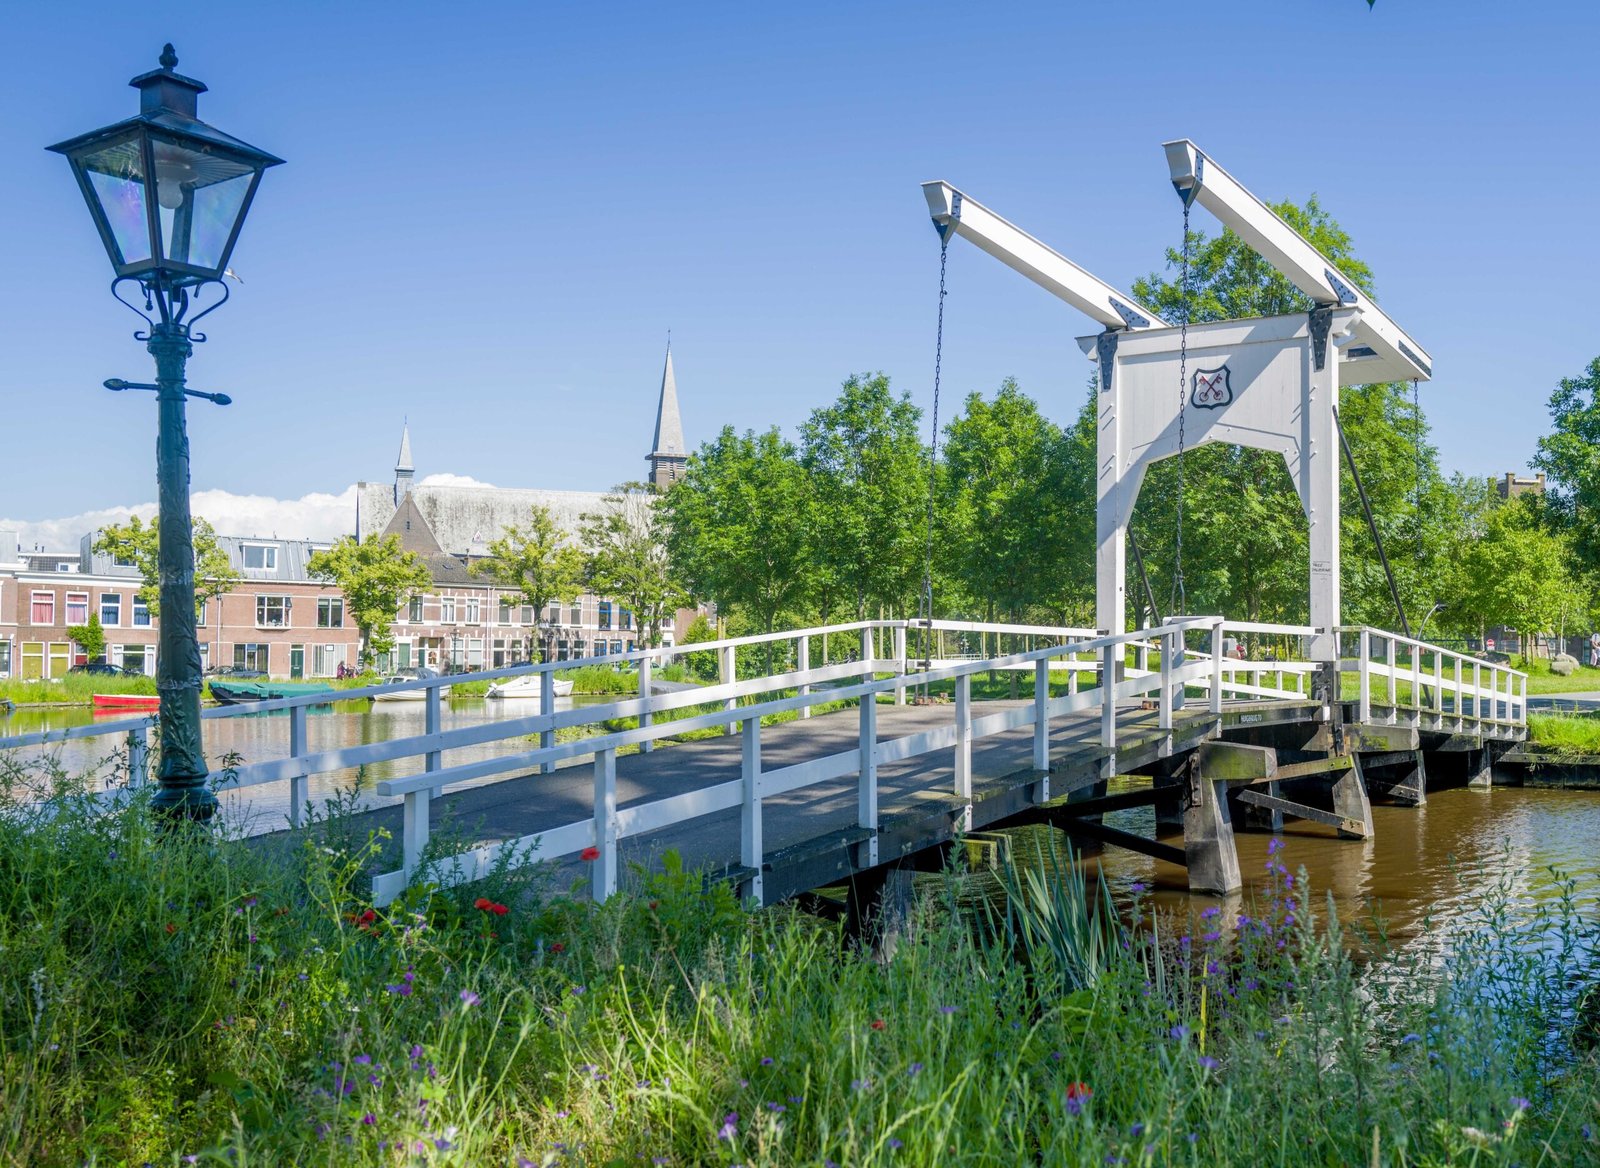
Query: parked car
{"points": [[235, 671], [106, 669]]}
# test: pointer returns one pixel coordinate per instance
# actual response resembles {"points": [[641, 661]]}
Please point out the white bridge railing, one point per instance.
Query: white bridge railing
{"points": [[896, 658]]}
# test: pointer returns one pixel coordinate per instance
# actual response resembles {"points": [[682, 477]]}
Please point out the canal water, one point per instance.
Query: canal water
{"points": [[1425, 868]]}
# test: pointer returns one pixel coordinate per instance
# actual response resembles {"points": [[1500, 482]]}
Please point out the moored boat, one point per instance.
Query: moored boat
{"points": [[109, 703], [233, 693], [406, 695], [530, 685]]}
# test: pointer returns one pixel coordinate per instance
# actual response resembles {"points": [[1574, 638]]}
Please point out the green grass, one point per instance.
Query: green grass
{"points": [[587, 680], [166, 996], [1570, 735], [1542, 681], [73, 689]]}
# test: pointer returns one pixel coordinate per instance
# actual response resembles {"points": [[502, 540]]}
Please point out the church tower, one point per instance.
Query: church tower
{"points": [[403, 470], [668, 456]]}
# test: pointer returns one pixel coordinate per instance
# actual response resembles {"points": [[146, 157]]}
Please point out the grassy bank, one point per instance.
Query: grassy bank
{"points": [[590, 680], [1564, 735], [178, 1000], [74, 689]]}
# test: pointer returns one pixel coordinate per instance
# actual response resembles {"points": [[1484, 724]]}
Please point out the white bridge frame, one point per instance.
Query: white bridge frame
{"points": [[1153, 664]]}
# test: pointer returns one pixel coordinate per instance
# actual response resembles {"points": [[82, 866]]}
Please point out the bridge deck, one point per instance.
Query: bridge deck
{"points": [[810, 833]]}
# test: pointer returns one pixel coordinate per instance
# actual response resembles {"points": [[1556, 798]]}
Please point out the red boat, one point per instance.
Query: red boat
{"points": [[121, 703]]}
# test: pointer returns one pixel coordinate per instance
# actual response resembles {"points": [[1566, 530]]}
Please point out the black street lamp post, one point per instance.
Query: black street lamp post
{"points": [[168, 194]]}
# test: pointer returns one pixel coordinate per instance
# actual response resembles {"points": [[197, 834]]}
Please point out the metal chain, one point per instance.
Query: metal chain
{"points": [[925, 608], [1178, 604]]}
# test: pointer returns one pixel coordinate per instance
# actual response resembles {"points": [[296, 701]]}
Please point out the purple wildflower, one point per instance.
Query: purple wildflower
{"points": [[1520, 1104], [470, 998], [776, 1108], [915, 1069], [1209, 1063], [1178, 1033], [369, 1119], [894, 1143], [947, 1009], [767, 1062], [730, 1127]]}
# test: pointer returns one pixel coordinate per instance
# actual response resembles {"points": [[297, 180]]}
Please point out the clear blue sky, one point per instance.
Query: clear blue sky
{"points": [[492, 214]]}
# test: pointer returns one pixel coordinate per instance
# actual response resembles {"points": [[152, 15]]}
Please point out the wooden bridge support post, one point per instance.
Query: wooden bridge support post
{"points": [[1208, 844], [900, 663], [963, 760], [729, 674], [1257, 818], [867, 782], [604, 879], [299, 785], [547, 707], [750, 845], [646, 718], [879, 905], [1350, 803], [1480, 771], [1108, 703], [803, 656]]}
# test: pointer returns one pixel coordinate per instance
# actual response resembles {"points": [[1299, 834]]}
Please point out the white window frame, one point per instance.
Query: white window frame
{"points": [[33, 599], [447, 610], [262, 599], [68, 608], [474, 610], [269, 557], [110, 624], [133, 615]]}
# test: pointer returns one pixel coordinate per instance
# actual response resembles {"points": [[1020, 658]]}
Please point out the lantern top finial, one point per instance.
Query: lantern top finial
{"points": [[168, 59]]}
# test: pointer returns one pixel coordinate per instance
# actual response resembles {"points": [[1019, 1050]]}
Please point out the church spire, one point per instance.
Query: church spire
{"points": [[667, 456], [403, 468]]}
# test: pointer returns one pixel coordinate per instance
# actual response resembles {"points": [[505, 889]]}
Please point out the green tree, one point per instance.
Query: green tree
{"points": [[139, 543], [376, 576], [90, 637], [869, 484], [704, 664], [1519, 573], [628, 560], [736, 525], [539, 561], [1008, 492], [1570, 457]]}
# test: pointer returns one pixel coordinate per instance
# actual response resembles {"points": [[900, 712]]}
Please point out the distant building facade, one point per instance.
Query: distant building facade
{"points": [[1512, 485]]}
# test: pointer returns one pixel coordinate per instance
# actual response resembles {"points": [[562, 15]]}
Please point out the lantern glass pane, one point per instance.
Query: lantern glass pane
{"points": [[116, 175], [200, 195]]}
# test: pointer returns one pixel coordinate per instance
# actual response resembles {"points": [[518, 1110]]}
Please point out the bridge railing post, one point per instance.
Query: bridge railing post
{"points": [[139, 757], [1522, 706], [1171, 644], [646, 718], [1072, 674], [1364, 667], [1041, 716], [1455, 703], [1392, 653], [1216, 670], [1477, 690], [547, 707], [803, 663], [900, 663], [431, 724], [963, 761], [750, 845], [729, 674], [604, 880], [299, 785], [1438, 683], [867, 780], [415, 828], [1108, 700], [1416, 678]]}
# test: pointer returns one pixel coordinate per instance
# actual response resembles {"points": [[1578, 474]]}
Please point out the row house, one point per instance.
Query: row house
{"points": [[276, 619]]}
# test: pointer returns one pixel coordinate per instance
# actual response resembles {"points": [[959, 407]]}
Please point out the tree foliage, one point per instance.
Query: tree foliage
{"points": [[539, 560], [1519, 573], [627, 558], [376, 576], [1570, 457], [90, 637], [140, 543]]}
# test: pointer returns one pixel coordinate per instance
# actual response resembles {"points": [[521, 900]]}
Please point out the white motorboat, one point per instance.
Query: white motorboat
{"points": [[407, 695], [529, 685]]}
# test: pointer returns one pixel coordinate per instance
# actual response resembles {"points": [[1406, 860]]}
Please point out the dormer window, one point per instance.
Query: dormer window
{"points": [[259, 556]]}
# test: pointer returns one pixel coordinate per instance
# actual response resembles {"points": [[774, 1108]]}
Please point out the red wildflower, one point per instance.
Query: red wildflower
{"points": [[483, 903], [1078, 1091], [499, 910], [367, 917], [557, 947], [589, 854], [171, 928], [878, 1023]]}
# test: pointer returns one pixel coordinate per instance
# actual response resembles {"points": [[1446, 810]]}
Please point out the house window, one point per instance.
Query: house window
{"points": [[527, 614], [627, 619], [447, 610], [506, 612], [251, 656], [111, 609], [134, 657], [473, 609], [474, 652], [555, 615], [326, 659], [44, 608], [77, 608], [616, 646], [415, 613], [141, 614], [201, 620], [605, 614], [5, 658], [122, 561], [330, 612], [260, 556], [272, 612]]}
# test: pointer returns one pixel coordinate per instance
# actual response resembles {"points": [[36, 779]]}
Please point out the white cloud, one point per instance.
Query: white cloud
{"points": [[318, 515], [452, 480]]}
